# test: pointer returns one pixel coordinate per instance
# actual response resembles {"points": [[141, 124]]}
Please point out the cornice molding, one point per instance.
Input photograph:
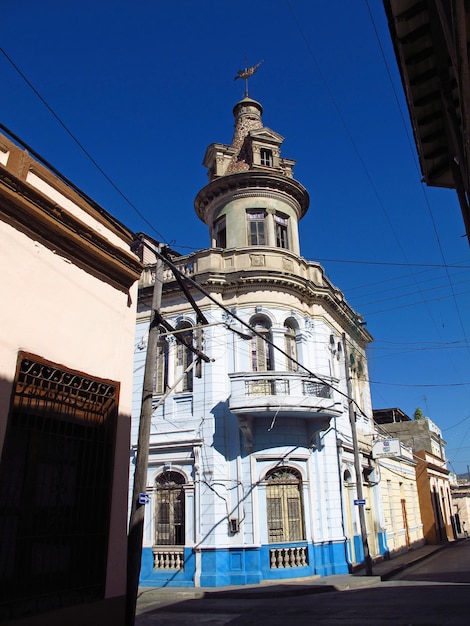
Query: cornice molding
{"points": [[244, 182], [254, 280], [28, 210]]}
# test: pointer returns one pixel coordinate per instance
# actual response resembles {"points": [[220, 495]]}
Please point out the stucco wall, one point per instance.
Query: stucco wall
{"points": [[55, 310]]}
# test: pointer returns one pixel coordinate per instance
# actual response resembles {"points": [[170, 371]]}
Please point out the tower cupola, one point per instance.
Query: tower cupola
{"points": [[252, 198]]}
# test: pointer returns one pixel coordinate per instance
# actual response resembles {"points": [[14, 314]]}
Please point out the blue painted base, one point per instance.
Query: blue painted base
{"points": [[244, 566], [383, 548], [150, 577]]}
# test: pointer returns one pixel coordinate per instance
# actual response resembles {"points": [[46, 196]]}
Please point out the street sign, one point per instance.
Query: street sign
{"points": [[144, 498], [359, 502]]}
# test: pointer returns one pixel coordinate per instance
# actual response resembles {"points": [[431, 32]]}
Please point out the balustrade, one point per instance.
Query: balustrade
{"points": [[292, 556], [168, 559]]}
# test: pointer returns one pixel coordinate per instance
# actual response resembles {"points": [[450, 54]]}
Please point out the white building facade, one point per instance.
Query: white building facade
{"points": [[251, 471]]}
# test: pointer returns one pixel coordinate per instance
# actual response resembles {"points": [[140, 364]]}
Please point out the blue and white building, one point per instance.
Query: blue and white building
{"points": [[251, 468]]}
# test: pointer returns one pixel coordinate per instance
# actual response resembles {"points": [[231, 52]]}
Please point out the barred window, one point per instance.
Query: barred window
{"points": [[284, 506], [55, 488], [169, 509]]}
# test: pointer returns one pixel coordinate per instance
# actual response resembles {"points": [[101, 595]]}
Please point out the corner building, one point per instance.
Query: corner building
{"points": [[251, 469]]}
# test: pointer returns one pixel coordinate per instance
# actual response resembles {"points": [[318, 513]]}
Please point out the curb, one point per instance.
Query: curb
{"points": [[403, 566]]}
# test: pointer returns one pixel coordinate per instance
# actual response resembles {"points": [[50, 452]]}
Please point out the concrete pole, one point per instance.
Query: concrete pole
{"points": [[357, 461]]}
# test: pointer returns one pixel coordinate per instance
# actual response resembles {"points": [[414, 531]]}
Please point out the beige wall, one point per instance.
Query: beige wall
{"points": [[53, 309], [69, 294], [402, 522]]}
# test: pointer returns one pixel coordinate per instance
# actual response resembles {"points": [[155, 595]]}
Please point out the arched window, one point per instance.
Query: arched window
{"points": [[160, 380], [290, 346], [261, 350], [184, 358], [284, 505], [169, 509]]}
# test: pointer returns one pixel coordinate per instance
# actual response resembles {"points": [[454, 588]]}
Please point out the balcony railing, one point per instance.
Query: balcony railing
{"points": [[266, 387], [281, 387], [257, 394]]}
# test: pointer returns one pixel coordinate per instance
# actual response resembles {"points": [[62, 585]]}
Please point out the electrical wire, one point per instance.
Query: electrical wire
{"points": [[77, 142]]}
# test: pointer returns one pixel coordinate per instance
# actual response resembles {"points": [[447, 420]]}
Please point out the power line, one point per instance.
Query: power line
{"points": [[378, 382], [394, 264], [79, 144], [201, 289]]}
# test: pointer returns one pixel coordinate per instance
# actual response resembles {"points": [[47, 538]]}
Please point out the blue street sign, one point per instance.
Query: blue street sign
{"points": [[144, 498], [359, 502]]}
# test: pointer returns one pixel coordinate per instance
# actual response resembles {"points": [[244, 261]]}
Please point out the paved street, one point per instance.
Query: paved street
{"points": [[435, 592]]}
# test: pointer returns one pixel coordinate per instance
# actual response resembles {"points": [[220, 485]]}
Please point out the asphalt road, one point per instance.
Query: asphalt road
{"points": [[435, 592]]}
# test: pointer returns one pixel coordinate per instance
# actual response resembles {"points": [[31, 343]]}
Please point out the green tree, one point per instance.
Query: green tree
{"points": [[418, 414]]}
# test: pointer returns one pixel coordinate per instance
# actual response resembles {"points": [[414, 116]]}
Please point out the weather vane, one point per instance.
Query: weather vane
{"points": [[246, 73]]}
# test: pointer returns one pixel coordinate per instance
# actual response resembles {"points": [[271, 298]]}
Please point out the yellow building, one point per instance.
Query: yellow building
{"points": [[395, 470]]}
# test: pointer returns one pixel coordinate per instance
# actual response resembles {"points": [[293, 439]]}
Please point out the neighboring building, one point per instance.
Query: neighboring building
{"points": [[67, 319], [395, 471], [432, 475], [432, 43], [460, 493], [251, 470]]}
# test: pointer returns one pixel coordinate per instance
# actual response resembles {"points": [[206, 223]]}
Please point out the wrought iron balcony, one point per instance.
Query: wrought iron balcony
{"points": [[284, 394]]}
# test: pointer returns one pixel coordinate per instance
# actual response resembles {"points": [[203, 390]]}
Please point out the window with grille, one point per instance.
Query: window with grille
{"points": [[55, 488], [184, 358], [261, 350], [290, 346], [284, 506], [266, 157], [169, 509], [256, 228]]}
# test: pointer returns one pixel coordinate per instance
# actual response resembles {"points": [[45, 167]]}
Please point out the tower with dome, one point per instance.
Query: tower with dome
{"points": [[251, 472]]}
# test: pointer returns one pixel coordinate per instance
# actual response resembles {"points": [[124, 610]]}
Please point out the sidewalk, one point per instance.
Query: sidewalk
{"points": [[388, 568], [152, 597]]}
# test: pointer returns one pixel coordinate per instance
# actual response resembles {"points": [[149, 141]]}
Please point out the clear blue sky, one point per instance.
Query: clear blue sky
{"points": [[146, 86]]}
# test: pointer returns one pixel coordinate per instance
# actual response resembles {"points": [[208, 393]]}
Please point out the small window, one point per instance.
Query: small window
{"points": [[160, 379], [266, 157], [184, 358], [281, 223], [256, 228], [290, 345], [261, 350], [220, 229]]}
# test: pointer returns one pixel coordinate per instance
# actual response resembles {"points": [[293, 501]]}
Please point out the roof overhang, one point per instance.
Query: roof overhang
{"points": [[431, 41]]}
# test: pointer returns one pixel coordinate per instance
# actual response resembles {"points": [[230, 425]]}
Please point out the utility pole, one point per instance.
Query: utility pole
{"points": [[136, 521], [357, 461]]}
